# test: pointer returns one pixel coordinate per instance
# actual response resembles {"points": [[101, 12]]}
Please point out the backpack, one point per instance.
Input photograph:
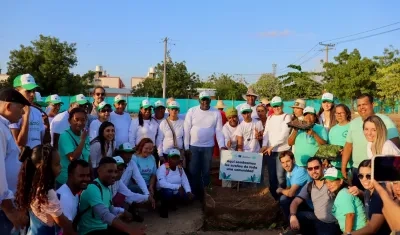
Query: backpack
{"points": [[167, 169]]}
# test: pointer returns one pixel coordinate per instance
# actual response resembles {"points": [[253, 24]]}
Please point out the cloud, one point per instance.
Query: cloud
{"points": [[275, 34]]}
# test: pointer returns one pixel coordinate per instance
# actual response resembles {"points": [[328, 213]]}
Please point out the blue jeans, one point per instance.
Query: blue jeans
{"points": [[199, 168], [310, 224], [284, 203], [5, 224], [276, 173], [168, 194]]}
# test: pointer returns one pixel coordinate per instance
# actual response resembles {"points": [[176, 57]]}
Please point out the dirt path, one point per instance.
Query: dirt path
{"points": [[187, 220]]}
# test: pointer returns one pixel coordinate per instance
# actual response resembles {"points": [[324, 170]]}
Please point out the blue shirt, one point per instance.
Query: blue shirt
{"points": [[298, 176], [147, 167], [307, 146]]}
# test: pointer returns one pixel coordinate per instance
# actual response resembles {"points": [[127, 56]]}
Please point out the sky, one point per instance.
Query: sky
{"points": [[224, 36]]}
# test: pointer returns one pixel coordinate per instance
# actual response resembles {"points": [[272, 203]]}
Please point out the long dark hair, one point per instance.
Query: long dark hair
{"points": [[100, 138], [332, 118], [36, 177]]}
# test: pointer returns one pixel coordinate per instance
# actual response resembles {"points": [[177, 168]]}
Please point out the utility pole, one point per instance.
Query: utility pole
{"points": [[328, 47], [165, 67]]}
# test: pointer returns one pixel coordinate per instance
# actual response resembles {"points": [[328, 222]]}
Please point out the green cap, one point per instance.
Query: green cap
{"points": [[173, 105], [332, 174], [145, 104], [327, 97], [25, 81], [276, 101], [159, 103], [126, 147], [204, 95], [119, 98], [38, 100], [102, 105], [174, 152], [53, 99], [80, 99], [245, 108]]}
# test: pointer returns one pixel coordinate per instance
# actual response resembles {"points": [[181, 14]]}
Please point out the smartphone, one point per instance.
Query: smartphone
{"points": [[386, 168]]}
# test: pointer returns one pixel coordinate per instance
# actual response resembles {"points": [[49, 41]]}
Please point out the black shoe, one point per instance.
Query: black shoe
{"points": [[135, 214], [163, 209]]}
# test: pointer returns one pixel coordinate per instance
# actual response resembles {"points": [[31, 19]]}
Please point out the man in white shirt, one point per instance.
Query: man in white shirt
{"points": [[29, 130], [201, 124], [121, 120], [251, 98], [12, 108], [60, 122], [78, 180]]}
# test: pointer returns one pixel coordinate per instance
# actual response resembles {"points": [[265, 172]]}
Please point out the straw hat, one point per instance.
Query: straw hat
{"points": [[265, 101], [220, 104], [251, 92]]}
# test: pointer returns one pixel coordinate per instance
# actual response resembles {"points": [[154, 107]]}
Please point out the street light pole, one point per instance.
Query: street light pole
{"points": [[165, 68]]}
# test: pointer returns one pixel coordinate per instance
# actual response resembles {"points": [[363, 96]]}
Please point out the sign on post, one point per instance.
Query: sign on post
{"points": [[240, 166]]}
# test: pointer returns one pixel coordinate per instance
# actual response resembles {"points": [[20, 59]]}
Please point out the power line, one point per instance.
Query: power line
{"points": [[368, 36], [361, 32]]}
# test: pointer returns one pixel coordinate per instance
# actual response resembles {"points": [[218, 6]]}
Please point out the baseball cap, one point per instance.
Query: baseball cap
{"points": [[126, 147], [13, 96], [102, 105], [332, 174], [327, 97], [38, 100], [80, 99], [119, 160], [299, 103], [309, 109], [204, 95], [276, 101], [53, 99], [119, 98], [145, 104], [25, 81], [173, 105], [159, 103], [231, 112], [174, 152], [245, 108]]}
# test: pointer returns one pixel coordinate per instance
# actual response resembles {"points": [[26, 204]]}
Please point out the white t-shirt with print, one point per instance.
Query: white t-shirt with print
{"points": [[121, 124], [165, 138], [36, 127], [247, 131]]}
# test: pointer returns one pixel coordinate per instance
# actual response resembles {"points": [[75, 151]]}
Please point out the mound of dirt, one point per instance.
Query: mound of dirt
{"points": [[226, 209]]}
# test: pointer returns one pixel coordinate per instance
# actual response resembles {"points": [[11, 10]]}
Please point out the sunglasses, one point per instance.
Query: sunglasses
{"points": [[106, 110], [315, 168], [367, 176], [100, 94]]}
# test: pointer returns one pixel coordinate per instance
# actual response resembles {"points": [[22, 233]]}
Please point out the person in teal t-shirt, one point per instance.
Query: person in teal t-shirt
{"points": [[73, 143], [98, 215], [356, 143], [306, 143], [346, 205], [338, 133]]}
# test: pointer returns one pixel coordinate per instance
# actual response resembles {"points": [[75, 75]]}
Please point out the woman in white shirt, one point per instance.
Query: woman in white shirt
{"points": [[104, 111], [326, 114], [102, 146], [375, 132], [172, 183], [170, 133], [36, 192], [144, 126]]}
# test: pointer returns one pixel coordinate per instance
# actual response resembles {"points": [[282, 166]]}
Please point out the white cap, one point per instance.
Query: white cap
{"points": [[119, 160], [276, 101], [173, 104], [204, 94], [327, 97], [119, 98], [159, 103], [173, 152], [309, 109], [145, 104], [245, 108]]}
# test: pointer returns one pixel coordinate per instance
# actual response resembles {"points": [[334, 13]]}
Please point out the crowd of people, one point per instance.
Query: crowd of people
{"points": [[86, 170]]}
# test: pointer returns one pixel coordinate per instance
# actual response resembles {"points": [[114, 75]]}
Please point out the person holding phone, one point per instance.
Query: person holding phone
{"points": [[391, 209], [73, 143], [372, 202]]}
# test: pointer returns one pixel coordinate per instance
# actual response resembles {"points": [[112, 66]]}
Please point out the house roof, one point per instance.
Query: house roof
{"points": [[122, 91]]}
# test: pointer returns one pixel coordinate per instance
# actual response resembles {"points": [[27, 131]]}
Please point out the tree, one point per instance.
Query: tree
{"points": [[226, 88], [350, 75], [49, 61], [390, 56], [267, 86], [180, 82], [299, 84], [387, 82]]}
